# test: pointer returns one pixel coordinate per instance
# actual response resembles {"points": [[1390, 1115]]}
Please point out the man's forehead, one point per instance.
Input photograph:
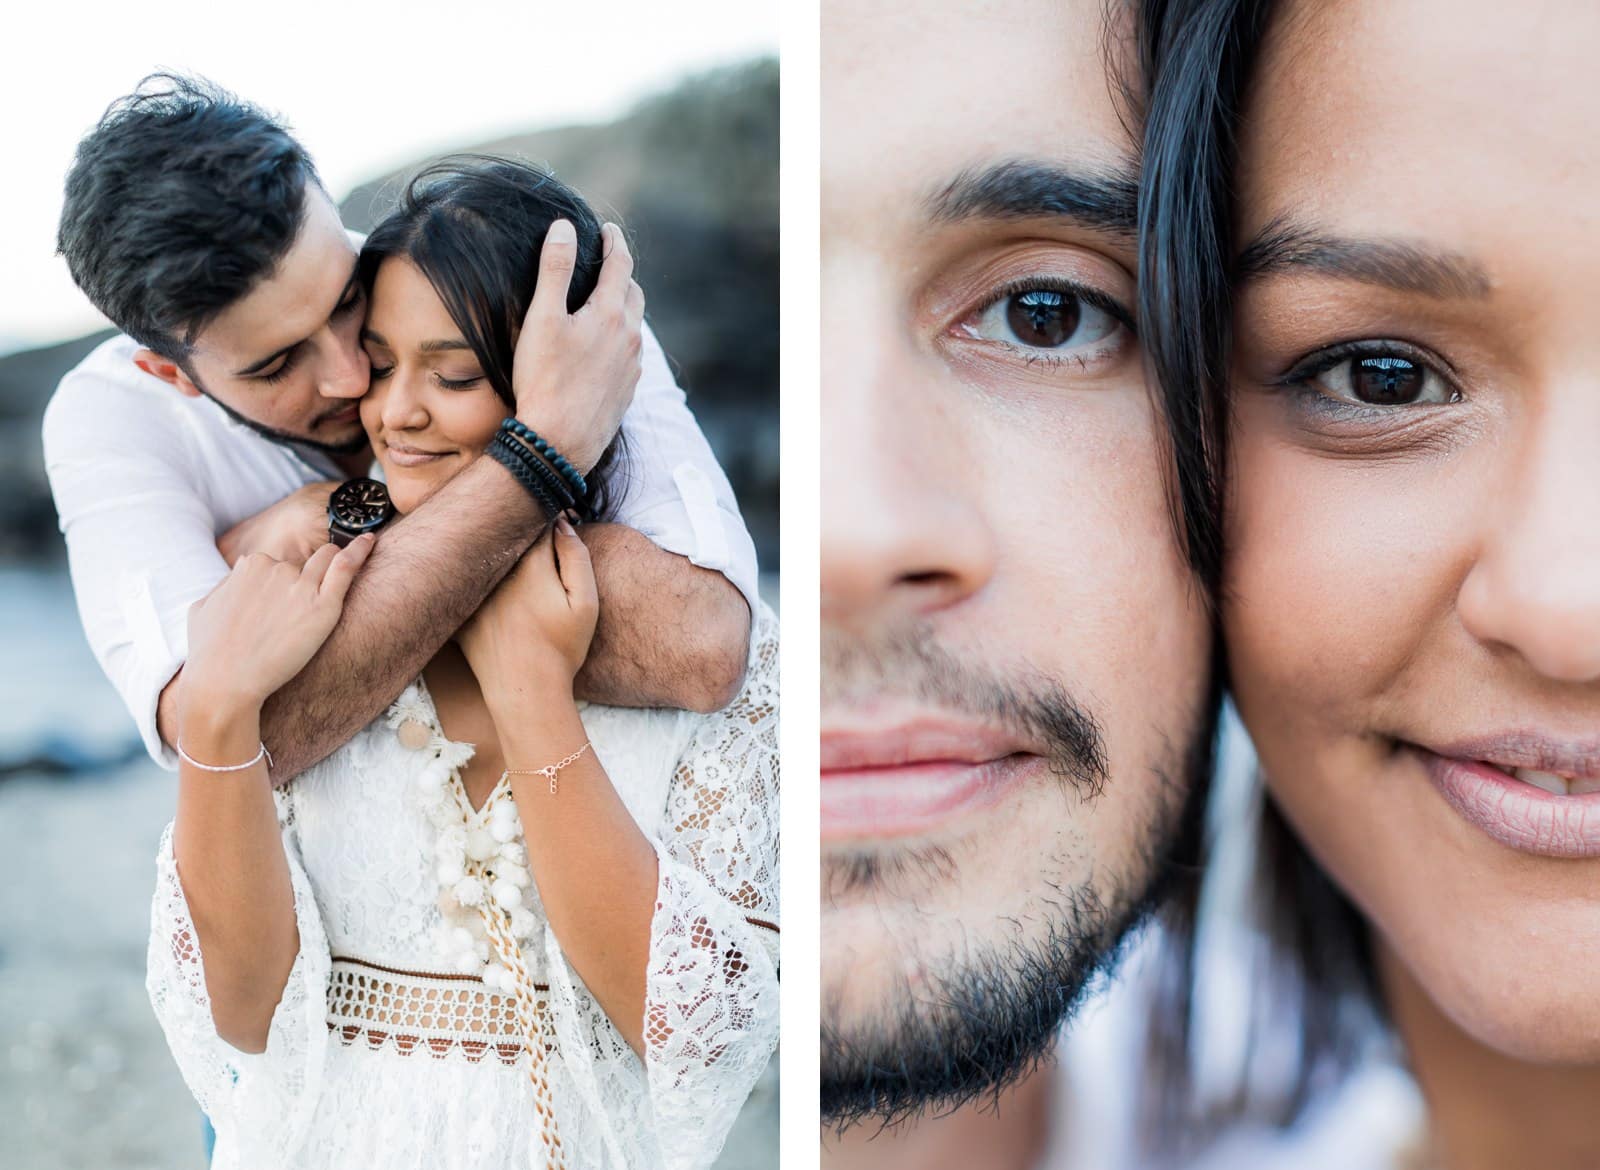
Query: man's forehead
{"points": [[295, 299], [916, 96]]}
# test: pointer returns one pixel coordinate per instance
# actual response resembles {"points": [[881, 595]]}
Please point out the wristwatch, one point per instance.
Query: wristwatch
{"points": [[357, 506]]}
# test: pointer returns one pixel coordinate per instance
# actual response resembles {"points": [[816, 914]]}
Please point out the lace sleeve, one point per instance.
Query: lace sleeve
{"points": [[268, 1097], [711, 999]]}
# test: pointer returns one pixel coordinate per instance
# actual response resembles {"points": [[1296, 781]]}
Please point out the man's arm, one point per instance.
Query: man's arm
{"points": [[671, 634], [429, 573]]}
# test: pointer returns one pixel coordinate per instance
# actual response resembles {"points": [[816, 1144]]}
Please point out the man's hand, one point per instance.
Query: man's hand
{"points": [[574, 373], [291, 530]]}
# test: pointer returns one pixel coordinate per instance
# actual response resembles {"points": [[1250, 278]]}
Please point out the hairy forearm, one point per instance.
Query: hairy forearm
{"points": [[427, 575], [229, 855], [595, 870], [670, 634]]}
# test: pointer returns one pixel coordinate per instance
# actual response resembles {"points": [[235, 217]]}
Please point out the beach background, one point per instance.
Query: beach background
{"points": [[85, 1078]]}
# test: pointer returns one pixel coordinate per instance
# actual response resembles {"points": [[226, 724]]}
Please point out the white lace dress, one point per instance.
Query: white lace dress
{"points": [[378, 1057]]}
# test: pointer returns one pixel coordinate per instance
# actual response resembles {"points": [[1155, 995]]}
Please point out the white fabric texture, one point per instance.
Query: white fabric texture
{"points": [[146, 479], [703, 788]]}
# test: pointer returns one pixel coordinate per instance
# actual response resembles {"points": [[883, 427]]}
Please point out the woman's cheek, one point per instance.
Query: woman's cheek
{"points": [[1338, 572]]}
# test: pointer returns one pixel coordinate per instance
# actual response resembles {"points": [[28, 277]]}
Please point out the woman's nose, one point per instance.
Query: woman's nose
{"points": [[401, 403], [1535, 586]]}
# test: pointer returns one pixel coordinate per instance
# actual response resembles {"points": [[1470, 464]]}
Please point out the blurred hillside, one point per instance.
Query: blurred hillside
{"points": [[692, 175]]}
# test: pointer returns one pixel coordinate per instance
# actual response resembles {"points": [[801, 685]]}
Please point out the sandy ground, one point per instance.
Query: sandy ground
{"points": [[85, 1079]]}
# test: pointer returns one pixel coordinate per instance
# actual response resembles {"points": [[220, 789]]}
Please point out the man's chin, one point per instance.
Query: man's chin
{"points": [[341, 441], [975, 1023]]}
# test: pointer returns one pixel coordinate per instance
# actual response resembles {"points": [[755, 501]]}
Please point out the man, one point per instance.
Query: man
{"points": [[1016, 651], [199, 226]]}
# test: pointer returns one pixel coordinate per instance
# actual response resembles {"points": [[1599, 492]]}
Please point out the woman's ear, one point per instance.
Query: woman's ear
{"points": [[167, 370]]}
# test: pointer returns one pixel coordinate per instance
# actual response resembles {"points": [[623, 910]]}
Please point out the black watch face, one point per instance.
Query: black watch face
{"points": [[359, 505]]}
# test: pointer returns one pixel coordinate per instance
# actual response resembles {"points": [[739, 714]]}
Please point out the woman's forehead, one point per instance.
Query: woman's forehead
{"points": [[1375, 116]]}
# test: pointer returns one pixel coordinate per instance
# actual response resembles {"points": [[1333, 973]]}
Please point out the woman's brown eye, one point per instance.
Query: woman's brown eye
{"points": [[1042, 317], [1381, 379], [1386, 381]]}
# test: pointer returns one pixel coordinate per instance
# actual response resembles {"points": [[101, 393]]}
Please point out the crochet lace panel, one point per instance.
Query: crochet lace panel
{"points": [[358, 850]]}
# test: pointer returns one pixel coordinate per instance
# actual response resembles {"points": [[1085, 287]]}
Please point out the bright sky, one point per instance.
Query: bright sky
{"points": [[366, 86]]}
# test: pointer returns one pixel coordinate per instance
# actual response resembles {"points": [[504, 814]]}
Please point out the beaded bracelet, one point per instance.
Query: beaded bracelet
{"points": [[580, 486], [515, 462], [263, 754], [549, 770], [560, 489]]}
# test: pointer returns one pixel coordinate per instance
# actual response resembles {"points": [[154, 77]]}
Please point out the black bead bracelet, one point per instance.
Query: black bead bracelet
{"points": [[576, 483], [514, 460]]}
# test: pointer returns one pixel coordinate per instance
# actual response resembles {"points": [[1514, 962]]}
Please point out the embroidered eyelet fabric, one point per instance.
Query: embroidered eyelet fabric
{"points": [[372, 1061]]}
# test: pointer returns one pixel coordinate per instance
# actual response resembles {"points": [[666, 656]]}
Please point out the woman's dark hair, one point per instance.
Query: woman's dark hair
{"points": [[180, 200], [1198, 57], [474, 226]]}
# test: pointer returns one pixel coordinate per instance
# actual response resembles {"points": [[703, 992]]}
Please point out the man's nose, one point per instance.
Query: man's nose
{"points": [[346, 370], [904, 531]]}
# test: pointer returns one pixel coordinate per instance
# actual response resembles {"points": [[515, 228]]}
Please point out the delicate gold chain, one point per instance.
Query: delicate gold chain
{"points": [[549, 770]]}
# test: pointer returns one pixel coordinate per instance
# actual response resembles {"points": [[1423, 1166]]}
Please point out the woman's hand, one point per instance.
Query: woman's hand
{"points": [[262, 624], [534, 630], [291, 530]]}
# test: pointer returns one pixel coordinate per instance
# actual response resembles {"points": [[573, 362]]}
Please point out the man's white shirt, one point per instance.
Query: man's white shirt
{"points": [[146, 479]]}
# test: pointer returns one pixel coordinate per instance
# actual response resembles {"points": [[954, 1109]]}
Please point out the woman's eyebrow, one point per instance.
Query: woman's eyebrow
{"points": [[1104, 202], [1409, 266]]}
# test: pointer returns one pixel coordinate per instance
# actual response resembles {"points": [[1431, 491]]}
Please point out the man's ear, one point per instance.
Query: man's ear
{"points": [[167, 370]]}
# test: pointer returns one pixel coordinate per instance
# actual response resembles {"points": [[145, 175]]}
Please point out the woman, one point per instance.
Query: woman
{"points": [[1386, 210], [493, 929]]}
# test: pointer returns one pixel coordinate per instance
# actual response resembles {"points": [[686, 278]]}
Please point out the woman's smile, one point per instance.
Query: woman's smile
{"points": [[404, 454]]}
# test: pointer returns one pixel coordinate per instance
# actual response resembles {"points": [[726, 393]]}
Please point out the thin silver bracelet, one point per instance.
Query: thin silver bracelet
{"points": [[250, 763]]}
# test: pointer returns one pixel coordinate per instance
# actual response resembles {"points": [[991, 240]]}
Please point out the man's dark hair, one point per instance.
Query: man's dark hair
{"points": [[181, 199]]}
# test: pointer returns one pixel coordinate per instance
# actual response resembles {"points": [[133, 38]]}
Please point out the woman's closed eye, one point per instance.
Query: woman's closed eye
{"points": [[1051, 321], [465, 382]]}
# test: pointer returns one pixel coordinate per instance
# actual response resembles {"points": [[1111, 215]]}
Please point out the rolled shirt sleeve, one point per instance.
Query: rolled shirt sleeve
{"points": [[675, 492], [141, 541]]}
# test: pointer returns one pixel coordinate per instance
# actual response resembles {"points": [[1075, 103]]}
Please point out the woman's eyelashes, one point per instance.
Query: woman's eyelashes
{"points": [[1050, 321], [1368, 377], [379, 372]]}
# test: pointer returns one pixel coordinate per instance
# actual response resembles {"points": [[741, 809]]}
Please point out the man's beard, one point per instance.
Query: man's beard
{"points": [[348, 447], [984, 1023]]}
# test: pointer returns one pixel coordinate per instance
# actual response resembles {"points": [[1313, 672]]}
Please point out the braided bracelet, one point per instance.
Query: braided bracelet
{"points": [[515, 462], [580, 487], [560, 489], [263, 754], [549, 770]]}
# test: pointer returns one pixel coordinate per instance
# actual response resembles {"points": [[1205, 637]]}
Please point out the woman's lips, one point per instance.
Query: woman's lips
{"points": [[913, 779], [1529, 814], [413, 456]]}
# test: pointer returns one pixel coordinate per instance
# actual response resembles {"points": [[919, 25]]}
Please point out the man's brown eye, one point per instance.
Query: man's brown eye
{"points": [[1043, 317]]}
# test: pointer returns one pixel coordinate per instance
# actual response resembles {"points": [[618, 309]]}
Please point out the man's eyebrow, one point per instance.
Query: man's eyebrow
{"points": [[1285, 245], [344, 295], [1105, 201]]}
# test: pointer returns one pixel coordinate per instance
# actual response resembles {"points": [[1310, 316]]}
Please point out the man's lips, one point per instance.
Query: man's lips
{"points": [[915, 777], [1535, 793], [339, 418]]}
